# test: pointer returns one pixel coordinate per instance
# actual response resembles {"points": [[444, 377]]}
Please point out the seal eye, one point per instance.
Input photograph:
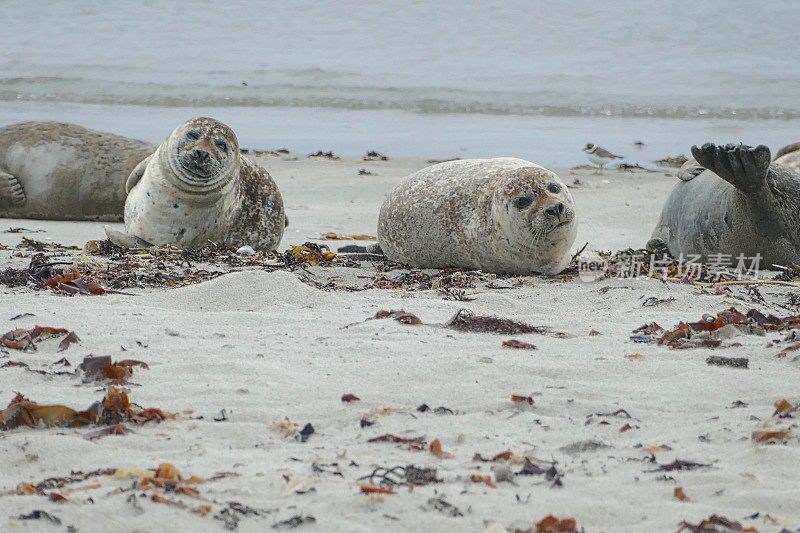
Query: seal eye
{"points": [[222, 145], [554, 188], [193, 134], [522, 202]]}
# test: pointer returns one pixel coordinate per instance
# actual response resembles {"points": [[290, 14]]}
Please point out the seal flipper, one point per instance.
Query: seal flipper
{"points": [[12, 194], [742, 166], [690, 170], [136, 174], [120, 238]]}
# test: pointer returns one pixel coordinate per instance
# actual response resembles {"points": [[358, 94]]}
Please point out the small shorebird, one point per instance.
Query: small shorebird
{"points": [[599, 156]]}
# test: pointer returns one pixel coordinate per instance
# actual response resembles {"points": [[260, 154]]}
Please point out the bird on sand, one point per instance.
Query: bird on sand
{"points": [[599, 156]]}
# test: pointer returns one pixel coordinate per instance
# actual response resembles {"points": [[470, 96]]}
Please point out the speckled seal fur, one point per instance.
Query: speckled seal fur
{"points": [[501, 215], [58, 171], [198, 187], [732, 200], [789, 156]]}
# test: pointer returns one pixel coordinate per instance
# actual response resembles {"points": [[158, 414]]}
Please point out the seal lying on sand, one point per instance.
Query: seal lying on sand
{"points": [[52, 170], [197, 187], [732, 200], [789, 156], [501, 215]]}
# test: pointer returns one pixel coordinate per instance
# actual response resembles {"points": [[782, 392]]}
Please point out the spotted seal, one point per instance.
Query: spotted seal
{"points": [[502, 215], [59, 171], [733, 201], [789, 155], [198, 187]]}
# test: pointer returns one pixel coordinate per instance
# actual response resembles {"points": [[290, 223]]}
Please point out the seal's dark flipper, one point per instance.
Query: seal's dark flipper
{"points": [[11, 192], [374, 249], [742, 166], [121, 238]]}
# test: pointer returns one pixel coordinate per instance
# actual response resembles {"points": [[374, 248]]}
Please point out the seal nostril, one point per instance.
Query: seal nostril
{"points": [[555, 210]]}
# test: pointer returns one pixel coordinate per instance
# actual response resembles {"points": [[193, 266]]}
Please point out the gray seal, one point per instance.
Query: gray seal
{"points": [[198, 187], [732, 200], [502, 215], [59, 171]]}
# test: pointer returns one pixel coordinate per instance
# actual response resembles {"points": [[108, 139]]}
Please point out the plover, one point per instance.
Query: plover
{"points": [[599, 156]]}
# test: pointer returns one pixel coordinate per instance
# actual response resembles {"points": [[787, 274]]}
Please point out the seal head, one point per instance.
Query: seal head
{"points": [[203, 155], [535, 215]]}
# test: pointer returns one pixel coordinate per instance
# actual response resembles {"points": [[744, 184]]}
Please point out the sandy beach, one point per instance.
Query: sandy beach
{"points": [[617, 434]]}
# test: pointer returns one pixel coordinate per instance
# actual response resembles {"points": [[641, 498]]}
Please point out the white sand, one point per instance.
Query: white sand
{"points": [[264, 346]]}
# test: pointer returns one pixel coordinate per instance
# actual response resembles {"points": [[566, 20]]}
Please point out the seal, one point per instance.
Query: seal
{"points": [[59, 171], [198, 187], [502, 215], [733, 201], [789, 155]]}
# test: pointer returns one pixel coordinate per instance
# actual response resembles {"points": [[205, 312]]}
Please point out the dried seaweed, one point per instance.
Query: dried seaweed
{"points": [[115, 408], [25, 339], [374, 489], [310, 253], [14, 277], [102, 368], [520, 345], [412, 443], [436, 449], [420, 475], [710, 330], [551, 524], [72, 283], [372, 155], [400, 316], [295, 521], [675, 161], [465, 320], [38, 514], [770, 436], [715, 524], [784, 408], [735, 362], [324, 155], [679, 464], [444, 507], [551, 474]]}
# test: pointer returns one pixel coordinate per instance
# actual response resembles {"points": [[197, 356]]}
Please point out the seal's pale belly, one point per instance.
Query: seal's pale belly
{"points": [[160, 214]]}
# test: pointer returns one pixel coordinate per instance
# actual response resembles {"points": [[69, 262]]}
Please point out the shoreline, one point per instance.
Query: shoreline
{"points": [[547, 141]]}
